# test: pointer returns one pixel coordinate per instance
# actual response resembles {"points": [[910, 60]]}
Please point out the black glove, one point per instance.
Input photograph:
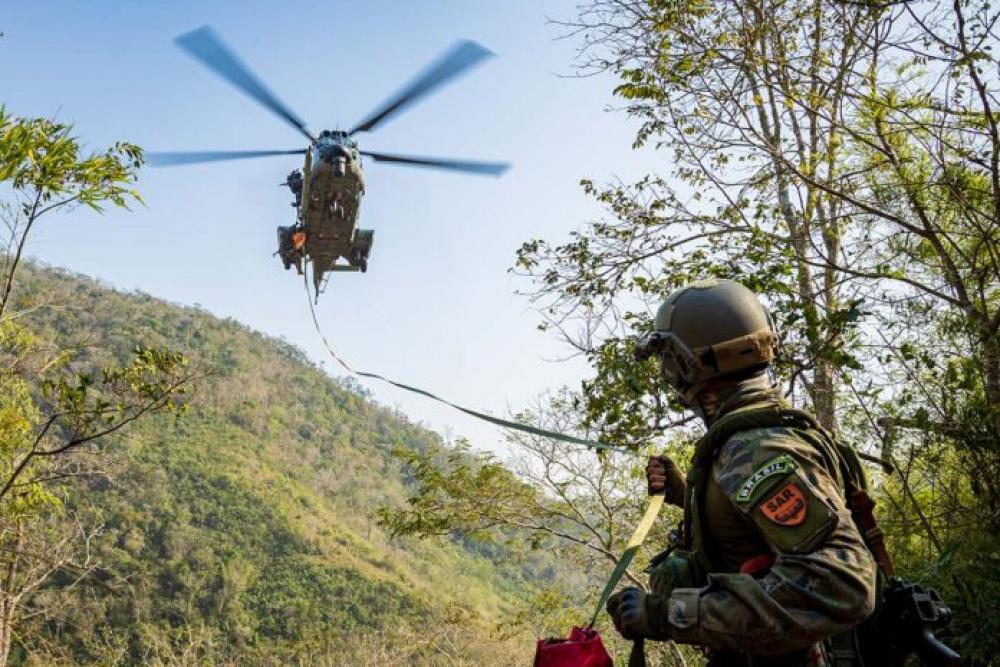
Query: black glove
{"points": [[663, 476], [639, 615]]}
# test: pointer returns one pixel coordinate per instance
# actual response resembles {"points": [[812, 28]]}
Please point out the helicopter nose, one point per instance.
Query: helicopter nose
{"points": [[336, 152]]}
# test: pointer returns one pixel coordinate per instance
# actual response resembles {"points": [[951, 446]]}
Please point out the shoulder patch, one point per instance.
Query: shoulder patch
{"points": [[791, 516], [787, 507], [779, 465]]}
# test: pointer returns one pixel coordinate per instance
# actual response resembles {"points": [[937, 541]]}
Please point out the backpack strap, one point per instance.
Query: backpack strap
{"points": [[862, 511]]}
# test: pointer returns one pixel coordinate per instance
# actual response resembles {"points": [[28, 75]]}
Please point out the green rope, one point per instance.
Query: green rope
{"points": [[503, 423], [638, 537]]}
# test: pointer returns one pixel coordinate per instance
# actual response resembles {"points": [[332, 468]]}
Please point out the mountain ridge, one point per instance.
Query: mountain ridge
{"points": [[250, 516]]}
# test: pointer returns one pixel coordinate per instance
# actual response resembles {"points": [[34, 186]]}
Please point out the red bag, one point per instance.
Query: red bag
{"points": [[583, 648]]}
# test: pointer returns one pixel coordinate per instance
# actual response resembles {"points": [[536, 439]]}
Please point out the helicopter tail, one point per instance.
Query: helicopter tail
{"points": [[321, 269]]}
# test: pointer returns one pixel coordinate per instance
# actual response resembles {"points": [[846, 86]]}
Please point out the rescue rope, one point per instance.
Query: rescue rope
{"points": [[638, 537], [497, 421]]}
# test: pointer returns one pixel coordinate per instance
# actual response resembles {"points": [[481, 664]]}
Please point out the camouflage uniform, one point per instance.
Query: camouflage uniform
{"points": [[770, 492], [773, 571]]}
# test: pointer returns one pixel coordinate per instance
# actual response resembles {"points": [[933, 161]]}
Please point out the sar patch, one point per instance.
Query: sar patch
{"points": [[787, 507], [779, 465]]}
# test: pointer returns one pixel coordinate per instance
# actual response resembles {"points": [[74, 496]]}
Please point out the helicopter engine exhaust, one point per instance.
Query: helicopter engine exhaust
{"points": [[336, 155]]}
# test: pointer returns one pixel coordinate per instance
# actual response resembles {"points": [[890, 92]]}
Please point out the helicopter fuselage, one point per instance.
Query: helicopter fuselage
{"points": [[333, 186]]}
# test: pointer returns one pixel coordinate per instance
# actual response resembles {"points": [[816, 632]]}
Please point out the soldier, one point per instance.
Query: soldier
{"points": [[290, 243], [295, 182], [773, 570]]}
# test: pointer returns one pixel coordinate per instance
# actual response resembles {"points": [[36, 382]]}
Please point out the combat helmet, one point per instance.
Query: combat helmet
{"points": [[709, 331]]}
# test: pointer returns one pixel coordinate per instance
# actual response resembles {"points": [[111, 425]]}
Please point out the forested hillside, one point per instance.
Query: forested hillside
{"points": [[242, 530]]}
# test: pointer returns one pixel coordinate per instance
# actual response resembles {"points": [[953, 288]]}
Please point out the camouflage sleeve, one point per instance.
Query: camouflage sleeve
{"points": [[823, 579]]}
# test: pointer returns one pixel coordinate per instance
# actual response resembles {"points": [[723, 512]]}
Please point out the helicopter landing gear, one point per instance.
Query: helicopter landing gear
{"points": [[359, 259]]}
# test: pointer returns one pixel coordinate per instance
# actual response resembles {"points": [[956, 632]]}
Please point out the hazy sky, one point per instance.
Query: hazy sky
{"points": [[437, 307]]}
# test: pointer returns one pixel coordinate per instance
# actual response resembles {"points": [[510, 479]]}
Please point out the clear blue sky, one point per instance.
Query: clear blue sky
{"points": [[437, 306]]}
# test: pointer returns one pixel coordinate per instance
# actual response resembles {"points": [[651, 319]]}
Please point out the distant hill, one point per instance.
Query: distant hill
{"points": [[242, 533]]}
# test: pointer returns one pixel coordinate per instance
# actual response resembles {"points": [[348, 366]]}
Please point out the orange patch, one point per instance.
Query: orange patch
{"points": [[787, 507]]}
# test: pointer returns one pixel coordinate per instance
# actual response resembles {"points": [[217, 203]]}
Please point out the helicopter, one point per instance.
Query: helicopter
{"points": [[329, 188]]}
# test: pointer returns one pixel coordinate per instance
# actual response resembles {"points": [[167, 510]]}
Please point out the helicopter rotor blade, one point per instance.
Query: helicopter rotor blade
{"points": [[467, 166], [204, 45], [177, 158], [460, 57]]}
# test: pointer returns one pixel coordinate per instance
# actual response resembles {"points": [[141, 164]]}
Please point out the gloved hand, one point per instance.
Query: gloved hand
{"points": [[679, 570], [637, 614], [663, 476]]}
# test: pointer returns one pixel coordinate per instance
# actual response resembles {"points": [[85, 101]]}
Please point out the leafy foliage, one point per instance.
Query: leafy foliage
{"points": [[576, 504], [44, 165], [41, 157]]}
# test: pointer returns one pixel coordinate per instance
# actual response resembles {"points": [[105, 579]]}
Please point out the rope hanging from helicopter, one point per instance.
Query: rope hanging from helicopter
{"points": [[208, 48], [496, 421]]}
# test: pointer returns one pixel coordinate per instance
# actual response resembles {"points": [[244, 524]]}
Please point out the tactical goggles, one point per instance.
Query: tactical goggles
{"points": [[666, 345]]}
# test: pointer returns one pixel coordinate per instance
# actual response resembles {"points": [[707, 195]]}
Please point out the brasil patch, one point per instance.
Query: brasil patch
{"points": [[779, 465]]}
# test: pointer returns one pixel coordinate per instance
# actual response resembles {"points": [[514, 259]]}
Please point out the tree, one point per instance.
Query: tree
{"points": [[42, 163], [833, 155], [55, 403], [733, 92], [842, 159]]}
